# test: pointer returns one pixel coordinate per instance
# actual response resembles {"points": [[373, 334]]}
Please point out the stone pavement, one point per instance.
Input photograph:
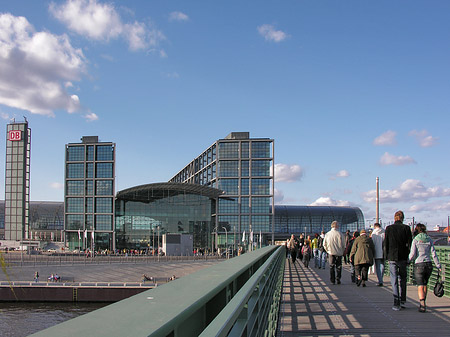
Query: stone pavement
{"points": [[312, 306], [126, 272]]}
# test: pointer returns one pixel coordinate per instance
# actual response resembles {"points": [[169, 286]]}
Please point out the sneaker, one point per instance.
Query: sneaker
{"points": [[396, 308], [403, 304], [358, 282], [338, 281], [379, 284]]}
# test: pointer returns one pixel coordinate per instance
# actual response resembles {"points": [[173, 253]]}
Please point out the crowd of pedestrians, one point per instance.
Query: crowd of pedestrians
{"points": [[363, 250]]}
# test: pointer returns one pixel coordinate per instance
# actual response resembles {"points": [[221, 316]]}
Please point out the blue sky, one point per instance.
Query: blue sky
{"points": [[349, 90]]}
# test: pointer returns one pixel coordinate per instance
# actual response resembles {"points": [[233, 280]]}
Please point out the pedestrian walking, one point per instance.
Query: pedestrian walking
{"points": [[378, 239], [315, 249], [362, 254], [36, 276], [322, 252], [293, 248], [397, 244], [348, 237], [347, 252], [306, 253], [334, 245], [422, 251]]}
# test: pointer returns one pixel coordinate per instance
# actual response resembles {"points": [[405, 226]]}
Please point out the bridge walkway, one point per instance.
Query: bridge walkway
{"points": [[312, 306]]}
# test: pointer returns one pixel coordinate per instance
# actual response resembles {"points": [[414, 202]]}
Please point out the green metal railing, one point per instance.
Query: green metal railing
{"points": [[443, 253], [237, 297]]}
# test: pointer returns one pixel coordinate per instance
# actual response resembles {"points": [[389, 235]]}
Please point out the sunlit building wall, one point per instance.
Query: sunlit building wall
{"points": [[243, 168], [89, 194]]}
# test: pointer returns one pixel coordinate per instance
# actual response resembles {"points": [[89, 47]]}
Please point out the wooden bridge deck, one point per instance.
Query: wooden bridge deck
{"points": [[312, 306]]}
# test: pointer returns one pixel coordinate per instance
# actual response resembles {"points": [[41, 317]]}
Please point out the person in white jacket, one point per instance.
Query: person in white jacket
{"points": [[334, 244], [378, 238]]}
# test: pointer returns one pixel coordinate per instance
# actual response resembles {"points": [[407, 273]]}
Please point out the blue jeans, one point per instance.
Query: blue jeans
{"points": [[322, 259], [316, 257], [397, 271], [379, 269]]}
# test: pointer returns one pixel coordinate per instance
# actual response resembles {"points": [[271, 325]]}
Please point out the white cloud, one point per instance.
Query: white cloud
{"points": [[178, 16], [56, 186], [389, 159], [101, 22], [327, 201], [278, 195], [5, 116], [409, 190], [270, 34], [288, 173], [387, 138], [91, 117], [340, 174], [35, 67], [423, 138]]}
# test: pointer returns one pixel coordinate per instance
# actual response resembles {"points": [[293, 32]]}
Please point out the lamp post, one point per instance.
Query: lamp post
{"points": [[226, 241]]}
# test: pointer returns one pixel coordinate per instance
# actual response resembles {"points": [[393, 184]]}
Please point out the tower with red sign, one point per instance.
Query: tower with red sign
{"points": [[17, 181]]}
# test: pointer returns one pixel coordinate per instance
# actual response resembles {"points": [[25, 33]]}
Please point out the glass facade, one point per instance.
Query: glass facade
{"points": [[89, 194], [241, 167], [314, 219], [17, 181], [145, 213]]}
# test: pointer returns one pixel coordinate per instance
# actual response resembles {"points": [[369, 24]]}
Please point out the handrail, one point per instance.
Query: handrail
{"points": [[181, 308]]}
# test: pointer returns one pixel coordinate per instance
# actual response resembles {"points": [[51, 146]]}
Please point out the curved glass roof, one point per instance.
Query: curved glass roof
{"points": [[150, 192]]}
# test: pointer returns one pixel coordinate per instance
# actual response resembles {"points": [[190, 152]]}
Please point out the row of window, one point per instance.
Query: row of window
{"points": [[82, 222], [90, 152], [259, 205], [89, 205], [259, 186], [86, 187], [80, 170], [230, 168], [253, 149], [259, 223]]}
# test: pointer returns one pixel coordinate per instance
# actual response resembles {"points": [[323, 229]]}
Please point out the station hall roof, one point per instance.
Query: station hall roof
{"points": [[150, 192]]}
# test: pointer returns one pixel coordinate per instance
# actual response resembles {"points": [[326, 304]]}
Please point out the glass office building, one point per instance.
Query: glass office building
{"points": [[145, 213], [243, 168], [314, 219], [89, 194], [17, 181]]}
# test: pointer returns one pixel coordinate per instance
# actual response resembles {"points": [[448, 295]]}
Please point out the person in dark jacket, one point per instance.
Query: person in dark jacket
{"points": [[397, 244], [361, 255], [348, 249]]}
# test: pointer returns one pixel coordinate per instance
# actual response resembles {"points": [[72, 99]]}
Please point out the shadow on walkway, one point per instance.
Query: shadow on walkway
{"points": [[312, 306]]}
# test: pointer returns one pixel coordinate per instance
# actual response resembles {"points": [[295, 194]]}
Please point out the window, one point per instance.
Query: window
{"points": [[89, 187], [228, 168], [261, 223], [245, 168], [261, 150], [230, 186], [261, 205], [105, 152], [104, 187], [75, 171], [260, 168], [260, 186], [245, 205], [245, 186], [228, 206], [89, 170], [75, 187], [89, 205], [90, 153], [75, 153], [104, 170], [74, 221], [228, 150], [74, 205], [103, 222], [103, 205]]}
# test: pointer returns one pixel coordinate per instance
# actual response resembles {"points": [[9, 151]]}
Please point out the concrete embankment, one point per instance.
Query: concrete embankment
{"points": [[53, 292]]}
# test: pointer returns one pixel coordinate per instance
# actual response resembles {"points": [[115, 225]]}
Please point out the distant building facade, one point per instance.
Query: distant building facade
{"points": [[314, 219], [243, 168], [89, 187], [17, 181]]}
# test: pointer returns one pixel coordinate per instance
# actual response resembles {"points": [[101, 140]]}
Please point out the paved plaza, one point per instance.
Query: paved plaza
{"points": [[312, 306]]}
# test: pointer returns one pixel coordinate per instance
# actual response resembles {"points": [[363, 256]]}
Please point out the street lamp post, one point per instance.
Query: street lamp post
{"points": [[226, 241]]}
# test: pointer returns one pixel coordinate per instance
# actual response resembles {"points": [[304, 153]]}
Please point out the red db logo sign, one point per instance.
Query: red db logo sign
{"points": [[15, 135]]}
